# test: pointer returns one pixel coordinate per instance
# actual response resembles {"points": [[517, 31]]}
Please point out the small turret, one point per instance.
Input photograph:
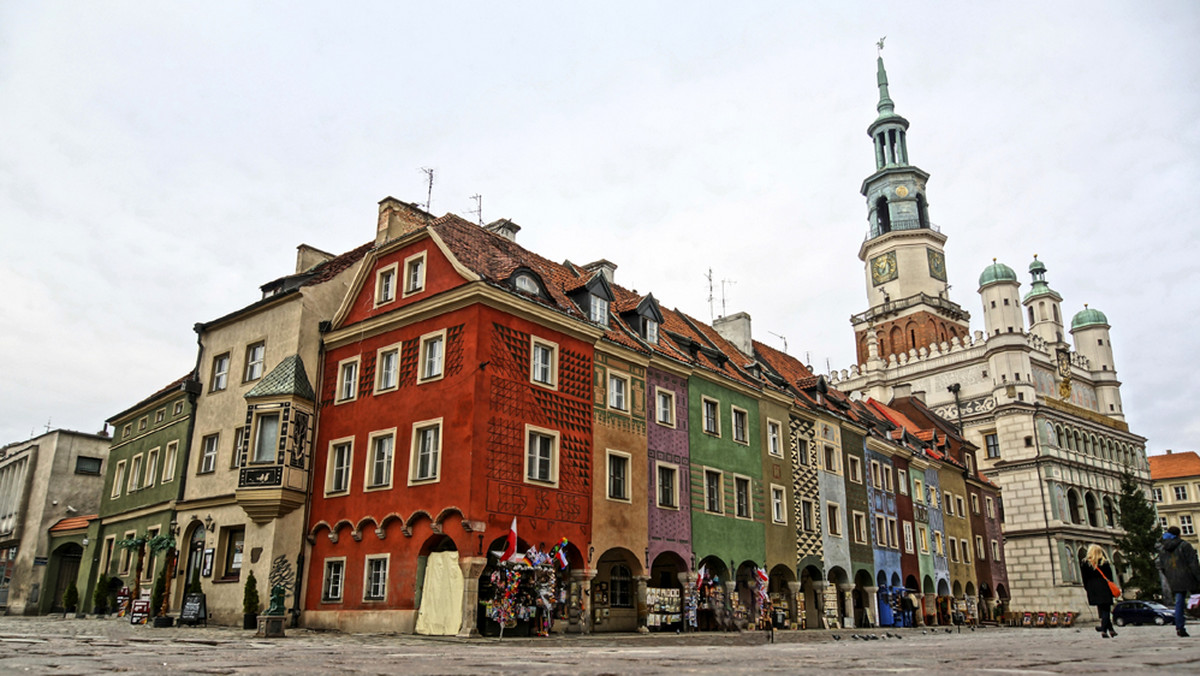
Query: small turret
{"points": [[1044, 306], [999, 288], [1089, 329]]}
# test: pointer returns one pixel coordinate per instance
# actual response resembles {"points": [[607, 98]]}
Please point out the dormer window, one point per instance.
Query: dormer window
{"points": [[527, 283], [599, 310], [651, 331]]}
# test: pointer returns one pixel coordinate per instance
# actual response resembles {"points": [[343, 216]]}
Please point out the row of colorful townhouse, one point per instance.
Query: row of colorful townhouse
{"points": [[687, 475]]}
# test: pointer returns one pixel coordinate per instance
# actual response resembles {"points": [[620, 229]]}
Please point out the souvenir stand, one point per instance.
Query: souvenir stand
{"points": [[527, 594], [762, 600], [711, 610], [665, 609]]}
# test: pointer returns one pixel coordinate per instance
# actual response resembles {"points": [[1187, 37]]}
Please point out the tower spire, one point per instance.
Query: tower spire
{"points": [[885, 106]]}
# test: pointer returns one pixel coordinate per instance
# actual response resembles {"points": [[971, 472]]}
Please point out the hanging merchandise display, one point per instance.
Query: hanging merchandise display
{"points": [[529, 588], [665, 608], [763, 598]]}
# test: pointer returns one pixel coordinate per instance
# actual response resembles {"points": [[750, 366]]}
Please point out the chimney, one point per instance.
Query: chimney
{"points": [[505, 228], [1168, 451], [606, 268], [397, 219], [736, 329], [901, 391], [308, 258]]}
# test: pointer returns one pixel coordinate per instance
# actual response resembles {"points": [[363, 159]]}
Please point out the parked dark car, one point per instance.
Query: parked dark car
{"points": [[1141, 612]]}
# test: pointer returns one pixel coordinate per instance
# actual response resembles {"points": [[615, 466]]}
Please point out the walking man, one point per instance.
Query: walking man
{"points": [[1181, 570]]}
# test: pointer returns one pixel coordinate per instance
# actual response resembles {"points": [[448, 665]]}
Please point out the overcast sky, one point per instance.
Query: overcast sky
{"points": [[158, 162]]}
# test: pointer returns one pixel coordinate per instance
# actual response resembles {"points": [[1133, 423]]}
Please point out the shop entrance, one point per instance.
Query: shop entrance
{"points": [[714, 612], [439, 607], [665, 595], [67, 558]]}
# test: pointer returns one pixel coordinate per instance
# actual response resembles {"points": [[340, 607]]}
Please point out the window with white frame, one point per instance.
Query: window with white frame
{"points": [[937, 541], [664, 403], [774, 438], [778, 497], [331, 586], [958, 506], [347, 380], [1162, 522], [974, 503], [235, 457], [598, 310], [118, 478], [713, 500], [808, 515], [992, 442], [380, 457], [266, 437], [668, 485], [543, 362], [953, 548], [980, 550], [854, 469], [876, 478], [142, 423], [918, 491], [169, 460], [151, 467], [432, 358], [651, 331], [991, 507], [833, 517], [712, 416], [741, 491], [740, 423], [414, 273], [966, 550], [893, 540], [618, 476], [908, 537], [338, 464], [831, 459], [127, 430], [902, 481], [126, 554], [618, 392], [949, 504], [1157, 494], [425, 462], [256, 354], [1185, 525], [860, 527], [159, 415], [208, 454], [385, 284], [880, 531], [541, 455], [387, 369], [1180, 493], [375, 574], [887, 478], [995, 550], [923, 539]]}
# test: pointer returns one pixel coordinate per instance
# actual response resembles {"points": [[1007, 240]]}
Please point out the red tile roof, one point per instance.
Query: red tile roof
{"points": [[1174, 465]]}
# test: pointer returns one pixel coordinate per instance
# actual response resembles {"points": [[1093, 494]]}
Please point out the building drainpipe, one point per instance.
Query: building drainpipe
{"points": [[301, 573], [1037, 440]]}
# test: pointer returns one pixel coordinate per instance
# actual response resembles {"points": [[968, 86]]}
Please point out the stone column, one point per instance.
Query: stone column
{"points": [[643, 610], [872, 605], [472, 567], [793, 607], [846, 601], [688, 582], [919, 610], [731, 601], [580, 599]]}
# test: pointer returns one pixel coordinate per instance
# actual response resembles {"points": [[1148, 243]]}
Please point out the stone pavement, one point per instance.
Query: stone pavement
{"points": [[51, 644]]}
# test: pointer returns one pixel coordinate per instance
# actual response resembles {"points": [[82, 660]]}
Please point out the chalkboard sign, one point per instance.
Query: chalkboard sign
{"points": [[195, 610], [140, 612]]}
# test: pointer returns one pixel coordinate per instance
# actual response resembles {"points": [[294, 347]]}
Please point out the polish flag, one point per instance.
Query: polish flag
{"points": [[510, 546]]}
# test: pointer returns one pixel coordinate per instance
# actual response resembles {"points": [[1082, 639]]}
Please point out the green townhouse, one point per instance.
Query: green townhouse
{"points": [[143, 481]]}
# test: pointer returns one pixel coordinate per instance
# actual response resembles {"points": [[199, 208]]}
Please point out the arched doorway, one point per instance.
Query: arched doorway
{"points": [[714, 610], [615, 591], [440, 585], [784, 612], [195, 560], [862, 599], [838, 580], [943, 602], [487, 593], [664, 593], [65, 561], [929, 600], [810, 580]]}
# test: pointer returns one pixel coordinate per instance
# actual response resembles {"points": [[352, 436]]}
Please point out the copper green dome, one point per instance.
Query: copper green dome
{"points": [[997, 272], [1037, 270], [1037, 266], [1088, 317]]}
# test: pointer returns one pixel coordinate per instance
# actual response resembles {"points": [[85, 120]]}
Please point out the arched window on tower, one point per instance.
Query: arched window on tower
{"points": [[922, 211], [883, 219], [1031, 315], [1055, 309]]}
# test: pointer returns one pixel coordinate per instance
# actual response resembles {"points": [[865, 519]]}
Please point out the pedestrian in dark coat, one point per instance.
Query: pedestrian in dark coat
{"points": [[1098, 592], [1181, 571]]}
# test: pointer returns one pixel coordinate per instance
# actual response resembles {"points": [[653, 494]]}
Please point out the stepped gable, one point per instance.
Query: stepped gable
{"points": [[1174, 465]]}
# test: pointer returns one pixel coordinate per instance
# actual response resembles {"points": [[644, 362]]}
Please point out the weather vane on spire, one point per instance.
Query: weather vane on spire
{"points": [[880, 45]]}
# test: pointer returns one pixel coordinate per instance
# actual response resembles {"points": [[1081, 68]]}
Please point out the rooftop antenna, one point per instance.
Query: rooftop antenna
{"points": [[429, 193], [828, 366], [47, 424], [708, 276], [478, 207], [808, 360], [783, 338], [730, 282]]}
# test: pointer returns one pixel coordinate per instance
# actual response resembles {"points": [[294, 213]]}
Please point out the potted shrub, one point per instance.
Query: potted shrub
{"points": [[250, 604], [100, 597], [70, 600]]}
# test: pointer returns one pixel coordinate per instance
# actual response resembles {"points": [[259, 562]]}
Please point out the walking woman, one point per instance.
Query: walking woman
{"points": [[1096, 575]]}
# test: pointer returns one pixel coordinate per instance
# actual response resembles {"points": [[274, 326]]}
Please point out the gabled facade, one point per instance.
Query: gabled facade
{"points": [[144, 479], [247, 477]]}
